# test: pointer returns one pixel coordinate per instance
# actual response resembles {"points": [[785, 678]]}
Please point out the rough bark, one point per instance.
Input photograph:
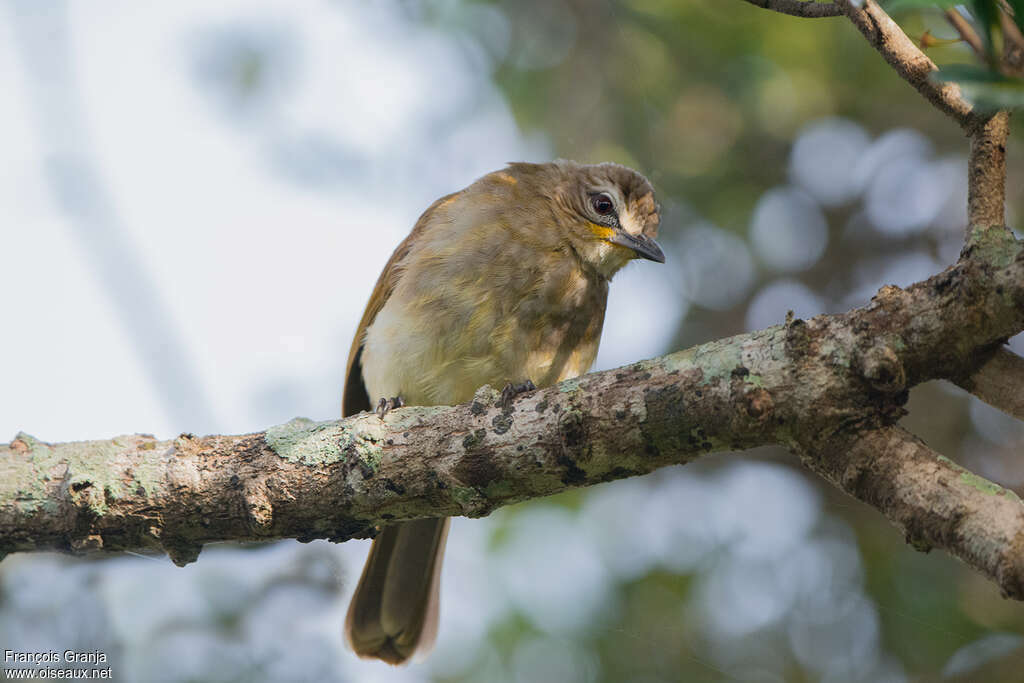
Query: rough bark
{"points": [[825, 387], [986, 172], [934, 501], [1000, 383]]}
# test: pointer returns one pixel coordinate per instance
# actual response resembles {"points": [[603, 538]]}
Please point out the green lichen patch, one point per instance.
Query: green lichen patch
{"points": [[24, 487], [836, 353], [88, 470], [568, 386], [410, 417], [976, 482], [719, 359], [641, 367], [985, 486], [365, 448], [995, 245], [304, 441], [466, 497], [486, 395], [680, 360], [147, 477]]}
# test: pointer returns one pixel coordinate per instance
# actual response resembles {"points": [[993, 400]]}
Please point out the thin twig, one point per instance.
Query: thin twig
{"points": [[1013, 44], [799, 8], [967, 32], [909, 62]]}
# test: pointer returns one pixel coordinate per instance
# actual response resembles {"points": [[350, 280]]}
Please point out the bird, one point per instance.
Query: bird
{"points": [[502, 283]]}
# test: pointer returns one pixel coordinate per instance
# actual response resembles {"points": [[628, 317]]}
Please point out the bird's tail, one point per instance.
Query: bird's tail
{"points": [[394, 610]]}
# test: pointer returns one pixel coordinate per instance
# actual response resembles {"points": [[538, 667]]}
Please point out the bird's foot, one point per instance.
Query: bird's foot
{"points": [[512, 390], [386, 405]]}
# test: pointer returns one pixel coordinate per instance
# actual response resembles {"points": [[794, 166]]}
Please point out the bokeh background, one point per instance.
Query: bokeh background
{"points": [[196, 199]]}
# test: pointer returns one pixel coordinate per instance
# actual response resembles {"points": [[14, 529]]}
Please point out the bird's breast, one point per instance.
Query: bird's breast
{"points": [[453, 325]]}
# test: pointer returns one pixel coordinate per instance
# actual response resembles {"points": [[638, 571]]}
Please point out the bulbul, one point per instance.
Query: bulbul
{"points": [[503, 283]]}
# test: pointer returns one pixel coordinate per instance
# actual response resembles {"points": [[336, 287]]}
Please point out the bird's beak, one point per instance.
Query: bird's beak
{"points": [[643, 245]]}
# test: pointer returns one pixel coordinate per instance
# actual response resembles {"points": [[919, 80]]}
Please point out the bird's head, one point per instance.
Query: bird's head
{"points": [[605, 212]]}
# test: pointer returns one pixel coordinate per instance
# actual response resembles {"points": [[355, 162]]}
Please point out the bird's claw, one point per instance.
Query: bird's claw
{"points": [[386, 405], [512, 390]]}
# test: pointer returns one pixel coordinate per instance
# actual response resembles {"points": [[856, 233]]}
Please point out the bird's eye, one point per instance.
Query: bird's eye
{"points": [[602, 204]]}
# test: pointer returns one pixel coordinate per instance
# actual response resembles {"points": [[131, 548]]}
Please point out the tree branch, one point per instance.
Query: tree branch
{"points": [[986, 173], [934, 501], [908, 61], [999, 383], [823, 387], [799, 8]]}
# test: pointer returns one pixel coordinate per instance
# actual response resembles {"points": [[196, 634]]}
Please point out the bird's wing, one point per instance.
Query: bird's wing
{"points": [[356, 397]]}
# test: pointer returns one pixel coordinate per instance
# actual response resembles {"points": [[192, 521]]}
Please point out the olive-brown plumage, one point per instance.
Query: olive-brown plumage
{"points": [[501, 283]]}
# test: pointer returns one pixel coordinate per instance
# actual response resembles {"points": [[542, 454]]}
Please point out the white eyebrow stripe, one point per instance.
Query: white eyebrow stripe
{"points": [[630, 224]]}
